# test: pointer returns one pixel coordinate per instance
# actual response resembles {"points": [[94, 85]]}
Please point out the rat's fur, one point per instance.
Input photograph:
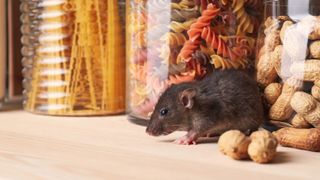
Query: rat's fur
{"points": [[222, 101]]}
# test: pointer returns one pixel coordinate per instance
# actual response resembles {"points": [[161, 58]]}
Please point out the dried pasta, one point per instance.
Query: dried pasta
{"points": [[183, 4], [184, 41], [180, 27], [174, 39], [77, 69], [183, 77], [195, 32], [217, 43], [244, 20]]}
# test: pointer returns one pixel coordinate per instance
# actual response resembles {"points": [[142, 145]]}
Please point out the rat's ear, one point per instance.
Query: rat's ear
{"points": [[187, 97]]}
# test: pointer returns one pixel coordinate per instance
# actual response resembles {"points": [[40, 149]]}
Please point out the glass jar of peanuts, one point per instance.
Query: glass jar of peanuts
{"points": [[288, 62], [74, 57], [175, 41]]}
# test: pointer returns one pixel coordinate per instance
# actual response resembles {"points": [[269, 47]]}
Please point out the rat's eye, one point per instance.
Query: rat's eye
{"points": [[164, 111]]}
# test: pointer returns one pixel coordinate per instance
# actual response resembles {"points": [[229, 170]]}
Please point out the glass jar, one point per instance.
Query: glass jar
{"points": [[2, 53], [10, 60], [288, 62], [175, 41], [74, 58]]}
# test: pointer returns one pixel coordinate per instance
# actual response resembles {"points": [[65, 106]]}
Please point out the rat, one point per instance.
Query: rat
{"points": [[224, 100]]}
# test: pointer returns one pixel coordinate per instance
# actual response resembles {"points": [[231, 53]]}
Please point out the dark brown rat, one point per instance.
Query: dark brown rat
{"points": [[224, 100]]}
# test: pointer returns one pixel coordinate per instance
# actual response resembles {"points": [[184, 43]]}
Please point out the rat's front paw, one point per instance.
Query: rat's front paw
{"points": [[185, 141]]}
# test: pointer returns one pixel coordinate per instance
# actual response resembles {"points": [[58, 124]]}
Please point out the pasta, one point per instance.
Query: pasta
{"points": [[195, 32], [224, 63], [183, 77], [204, 21], [184, 14], [77, 70], [244, 20], [174, 39], [215, 42], [183, 4], [144, 108], [184, 41], [203, 3], [180, 27]]}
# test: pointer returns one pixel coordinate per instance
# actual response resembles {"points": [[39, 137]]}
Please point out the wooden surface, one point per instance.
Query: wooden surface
{"points": [[41, 147]]}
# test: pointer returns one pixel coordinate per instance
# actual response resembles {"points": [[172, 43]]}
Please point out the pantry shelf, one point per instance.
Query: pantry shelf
{"points": [[44, 147]]}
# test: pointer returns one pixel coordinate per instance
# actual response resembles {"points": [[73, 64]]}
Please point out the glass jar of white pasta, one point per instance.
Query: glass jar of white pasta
{"points": [[175, 41]]}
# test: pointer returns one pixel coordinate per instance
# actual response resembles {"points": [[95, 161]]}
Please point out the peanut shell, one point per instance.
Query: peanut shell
{"points": [[299, 122], [234, 144], [266, 72], [315, 49], [308, 70], [281, 110], [263, 146], [272, 92], [285, 26], [306, 139], [315, 91], [307, 106]]}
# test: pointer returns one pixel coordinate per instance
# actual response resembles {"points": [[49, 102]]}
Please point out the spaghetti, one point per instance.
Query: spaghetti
{"points": [[77, 70]]}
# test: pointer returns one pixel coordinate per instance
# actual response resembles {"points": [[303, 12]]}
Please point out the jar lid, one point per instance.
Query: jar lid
{"points": [[295, 7], [314, 7]]}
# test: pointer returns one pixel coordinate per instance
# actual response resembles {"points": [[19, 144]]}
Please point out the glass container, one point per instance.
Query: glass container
{"points": [[2, 52], [288, 62], [74, 58], [175, 41], [10, 56]]}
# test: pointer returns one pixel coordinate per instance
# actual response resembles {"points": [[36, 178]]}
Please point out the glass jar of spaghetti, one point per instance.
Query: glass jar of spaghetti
{"points": [[175, 41], [288, 62], [73, 60]]}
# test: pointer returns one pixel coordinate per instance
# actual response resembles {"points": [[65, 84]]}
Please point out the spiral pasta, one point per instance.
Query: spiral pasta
{"points": [[174, 39], [201, 57], [169, 54], [244, 20], [139, 72], [183, 77], [141, 39], [180, 27], [143, 109], [215, 42], [184, 14], [186, 52], [224, 63], [196, 28], [157, 85], [195, 32], [183, 4], [203, 3]]}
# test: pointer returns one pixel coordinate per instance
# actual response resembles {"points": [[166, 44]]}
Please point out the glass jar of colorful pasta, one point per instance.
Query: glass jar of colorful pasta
{"points": [[288, 62], [74, 57], [175, 41]]}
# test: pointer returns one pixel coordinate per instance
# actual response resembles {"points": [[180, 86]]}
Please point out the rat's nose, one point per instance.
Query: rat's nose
{"points": [[148, 131], [153, 132]]}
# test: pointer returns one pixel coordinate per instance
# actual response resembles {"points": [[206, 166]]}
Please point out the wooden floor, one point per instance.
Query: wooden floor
{"points": [[41, 147]]}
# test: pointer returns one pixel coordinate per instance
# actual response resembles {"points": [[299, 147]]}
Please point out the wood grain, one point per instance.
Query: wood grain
{"points": [[41, 147]]}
